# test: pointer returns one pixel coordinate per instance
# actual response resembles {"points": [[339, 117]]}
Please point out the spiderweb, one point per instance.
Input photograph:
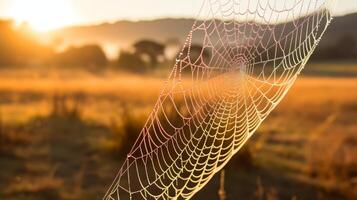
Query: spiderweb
{"points": [[239, 60]]}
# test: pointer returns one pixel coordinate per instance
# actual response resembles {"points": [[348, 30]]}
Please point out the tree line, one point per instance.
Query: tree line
{"points": [[20, 47]]}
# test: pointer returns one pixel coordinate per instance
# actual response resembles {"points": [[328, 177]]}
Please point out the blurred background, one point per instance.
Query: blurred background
{"points": [[79, 78]]}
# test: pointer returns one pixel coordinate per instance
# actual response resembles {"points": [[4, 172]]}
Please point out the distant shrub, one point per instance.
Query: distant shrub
{"points": [[84, 56], [132, 62], [197, 52], [152, 49]]}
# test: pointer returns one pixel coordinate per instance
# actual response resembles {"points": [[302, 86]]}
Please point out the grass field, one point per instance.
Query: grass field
{"points": [[63, 134]]}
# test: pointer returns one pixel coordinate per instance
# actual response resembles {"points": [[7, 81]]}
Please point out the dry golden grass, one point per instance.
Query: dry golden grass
{"points": [[318, 115], [319, 90], [127, 86]]}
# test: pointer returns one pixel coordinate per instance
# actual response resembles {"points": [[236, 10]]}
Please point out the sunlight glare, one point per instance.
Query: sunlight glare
{"points": [[43, 15]]}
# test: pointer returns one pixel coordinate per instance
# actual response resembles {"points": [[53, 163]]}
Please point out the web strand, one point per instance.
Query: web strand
{"points": [[239, 60]]}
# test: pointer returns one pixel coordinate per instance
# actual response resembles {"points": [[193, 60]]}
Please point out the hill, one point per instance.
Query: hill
{"points": [[123, 33], [341, 26]]}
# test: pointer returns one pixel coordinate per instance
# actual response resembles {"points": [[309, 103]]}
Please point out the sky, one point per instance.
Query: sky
{"points": [[59, 13]]}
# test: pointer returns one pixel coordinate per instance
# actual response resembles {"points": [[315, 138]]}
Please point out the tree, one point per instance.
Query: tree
{"points": [[197, 52], [151, 49], [131, 62], [88, 55]]}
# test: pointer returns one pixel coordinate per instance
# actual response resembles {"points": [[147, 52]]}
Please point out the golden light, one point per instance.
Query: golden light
{"points": [[43, 15]]}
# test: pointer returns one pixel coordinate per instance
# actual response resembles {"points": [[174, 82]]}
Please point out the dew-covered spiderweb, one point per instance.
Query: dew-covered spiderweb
{"points": [[239, 60]]}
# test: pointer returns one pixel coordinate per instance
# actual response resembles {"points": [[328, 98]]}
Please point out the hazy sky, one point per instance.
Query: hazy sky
{"points": [[64, 12]]}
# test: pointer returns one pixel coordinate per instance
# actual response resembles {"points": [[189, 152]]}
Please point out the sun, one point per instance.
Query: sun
{"points": [[43, 15]]}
